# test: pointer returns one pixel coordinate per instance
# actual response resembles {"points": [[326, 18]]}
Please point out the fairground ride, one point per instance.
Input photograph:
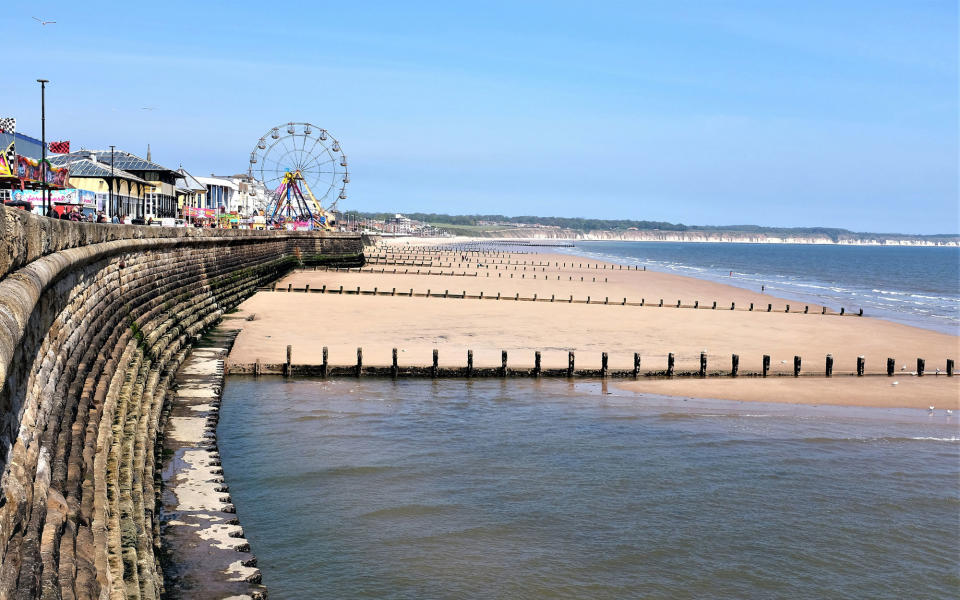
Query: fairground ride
{"points": [[306, 170]]}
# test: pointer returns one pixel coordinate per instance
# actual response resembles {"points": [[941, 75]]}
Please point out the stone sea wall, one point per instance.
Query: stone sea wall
{"points": [[94, 321]]}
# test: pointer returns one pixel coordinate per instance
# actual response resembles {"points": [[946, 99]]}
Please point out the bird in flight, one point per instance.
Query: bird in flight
{"points": [[41, 21], [148, 108]]}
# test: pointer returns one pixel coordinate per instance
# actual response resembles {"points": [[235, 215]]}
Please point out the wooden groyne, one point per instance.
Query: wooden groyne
{"points": [[504, 370]]}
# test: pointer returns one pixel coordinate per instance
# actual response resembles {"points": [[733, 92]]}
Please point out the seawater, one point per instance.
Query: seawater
{"points": [[522, 489], [919, 286]]}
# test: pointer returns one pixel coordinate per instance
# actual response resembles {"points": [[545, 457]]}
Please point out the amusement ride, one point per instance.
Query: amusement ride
{"points": [[306, 169]]}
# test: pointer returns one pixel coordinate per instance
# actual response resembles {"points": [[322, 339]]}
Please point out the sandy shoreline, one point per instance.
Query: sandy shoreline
{"points": [[418, 325]]}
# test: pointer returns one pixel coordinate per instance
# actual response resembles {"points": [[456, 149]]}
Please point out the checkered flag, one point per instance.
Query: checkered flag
{"points": [[8, 161], [8, 125], [59, 147]]}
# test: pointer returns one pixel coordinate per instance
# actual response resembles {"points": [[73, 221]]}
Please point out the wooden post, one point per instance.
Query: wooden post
{"points": [[359, 361], [436, 363], [323, 367], [714, 305], [670, 362], [696, 304], [860, 365], [469, 363], [733, 306], [603, 364], [861, 312], [661, 302], [788, 309], [828, 370], [796, 366], [920, 365], [307, 288], [536, 364], [394, 368], [769, 307], [286, 367], [806, 309], [891, 365], [289, 287], [842, 310], [570, 363], [636, 365], [678, 304], [503, 363], [323, 290], [949, 367], [734, 365], [823, 310], [766, 364], [751, 306], [256, 368], [703, 364]]}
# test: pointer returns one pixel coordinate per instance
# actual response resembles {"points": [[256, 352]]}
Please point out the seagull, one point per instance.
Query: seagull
{"points": [[148, 108], [42, 22], [949, 411], [931, 408], [903, 368], [895, 383]]}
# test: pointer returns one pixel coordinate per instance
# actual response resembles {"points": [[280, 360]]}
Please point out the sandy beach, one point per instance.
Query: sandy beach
{"points": [[418, 325]]}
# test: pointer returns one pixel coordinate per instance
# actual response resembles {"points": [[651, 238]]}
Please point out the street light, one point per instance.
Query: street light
{"points": [[113, 209], [43, 143]]}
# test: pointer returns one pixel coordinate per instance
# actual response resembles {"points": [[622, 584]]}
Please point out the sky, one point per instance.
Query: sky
{"points": [[837, 114]]}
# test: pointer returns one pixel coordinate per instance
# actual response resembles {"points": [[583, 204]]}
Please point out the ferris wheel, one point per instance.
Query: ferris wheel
{"points": [[305, 168]]}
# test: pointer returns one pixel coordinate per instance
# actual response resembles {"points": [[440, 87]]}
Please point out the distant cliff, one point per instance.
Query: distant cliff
{"points": [[711, 236]]}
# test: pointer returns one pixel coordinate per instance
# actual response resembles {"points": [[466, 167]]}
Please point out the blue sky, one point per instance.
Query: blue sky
{"points": [[790, 114]]}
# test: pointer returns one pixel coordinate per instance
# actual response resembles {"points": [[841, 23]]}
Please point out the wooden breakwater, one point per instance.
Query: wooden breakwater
{"points": [[567, 299], [504, 370]]}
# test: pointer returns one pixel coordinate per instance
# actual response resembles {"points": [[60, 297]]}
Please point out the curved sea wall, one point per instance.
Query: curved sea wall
{"points": [[94, 321]]}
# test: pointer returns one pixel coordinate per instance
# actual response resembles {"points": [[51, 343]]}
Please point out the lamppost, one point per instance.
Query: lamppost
{"points": [[43, 143], [113, 209]]}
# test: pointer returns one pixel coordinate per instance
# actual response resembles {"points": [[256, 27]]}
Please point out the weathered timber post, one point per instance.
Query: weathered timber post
{"points": [[436, 363], [469, 363], [861, 312], [307, 288], [823, 310], [287, 366], [393, 292], [766, 364], [661, 302], [324, 366], [256, 368], [552, 296], [920, 365], [861, 363], [359, 361], [842, 310], [588, 299], [603, 364], [503, 363], [806, 309], [733, 306], [703, 364], [769, 307], [678, 303], [828, 368], [289, 287], [714, 305], [891, 364], [696, 304], [536, 364], [670, 362], [796, 366], [323, 290], [734, 365], [394, 368], [788, 309], [949, 367], [341, 289], [751, 306], [446, 293], [636, 365], [570, 362]]}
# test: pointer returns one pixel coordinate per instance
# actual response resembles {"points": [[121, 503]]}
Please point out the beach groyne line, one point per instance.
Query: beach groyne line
{"points": [[668, 370], [565, 299]]}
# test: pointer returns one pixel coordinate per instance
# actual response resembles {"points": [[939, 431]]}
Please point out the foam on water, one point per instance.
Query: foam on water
{"points": [[918, 286]]}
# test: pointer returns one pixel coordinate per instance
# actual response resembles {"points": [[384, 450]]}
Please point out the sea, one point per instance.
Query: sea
{"points": [[523, 489], [915, 285]]}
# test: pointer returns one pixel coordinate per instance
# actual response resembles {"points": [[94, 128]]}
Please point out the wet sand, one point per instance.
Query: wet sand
{"points": [[417, 325]]}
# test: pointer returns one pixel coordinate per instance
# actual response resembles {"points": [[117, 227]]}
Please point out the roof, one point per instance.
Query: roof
{"points": [[189, 181], [221, 181], [86, 167], [121, 160]]}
